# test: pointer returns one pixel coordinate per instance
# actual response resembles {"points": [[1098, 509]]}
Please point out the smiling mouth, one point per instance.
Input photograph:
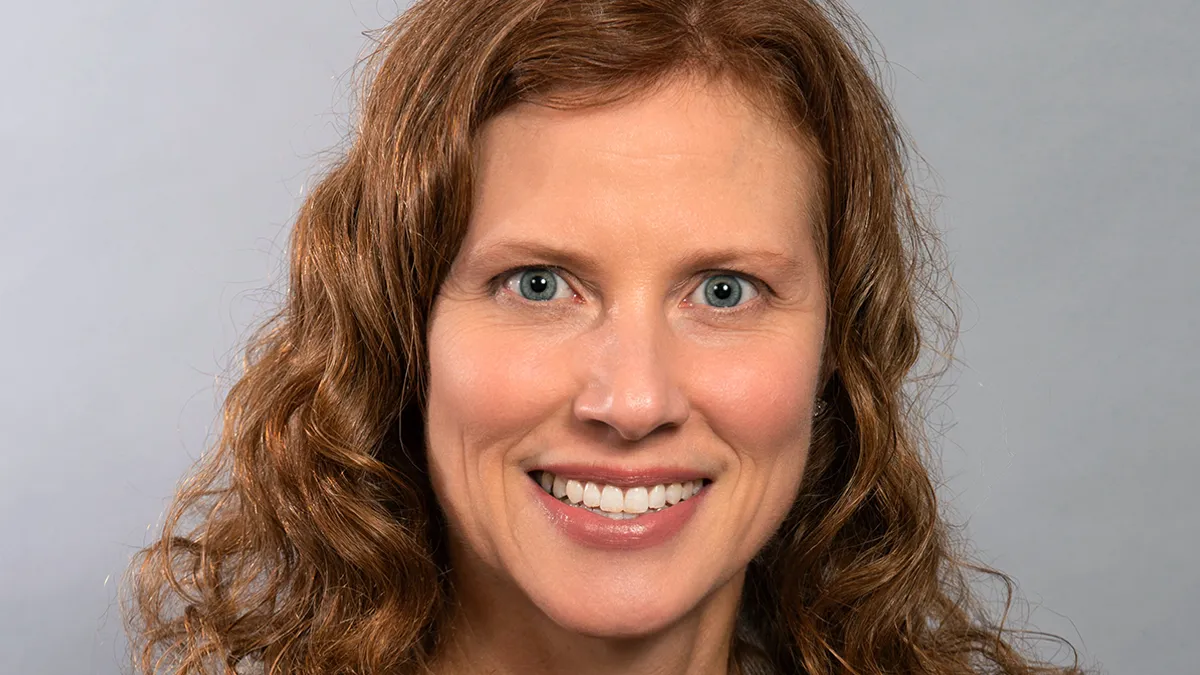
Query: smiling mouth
{"points": [[614, 502]]}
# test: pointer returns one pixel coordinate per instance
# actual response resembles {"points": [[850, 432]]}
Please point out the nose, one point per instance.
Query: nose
{"points": [[631, 386]]}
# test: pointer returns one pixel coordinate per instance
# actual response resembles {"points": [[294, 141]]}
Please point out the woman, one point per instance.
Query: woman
{"points": [[593, 361]]}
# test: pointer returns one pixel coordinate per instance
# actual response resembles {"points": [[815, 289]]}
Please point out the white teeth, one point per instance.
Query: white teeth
{"points": [[618, 516], [611, 499], [575, 491], [637, 500], [674, 493], [658, 497], [591, 495]]}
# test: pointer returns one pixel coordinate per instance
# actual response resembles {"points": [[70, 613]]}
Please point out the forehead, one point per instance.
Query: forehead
{"points": [[687, 149], [676, 109]]}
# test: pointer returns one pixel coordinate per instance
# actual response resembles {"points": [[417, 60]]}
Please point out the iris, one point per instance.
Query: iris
{"points": [[538, 284], [722, 291]]}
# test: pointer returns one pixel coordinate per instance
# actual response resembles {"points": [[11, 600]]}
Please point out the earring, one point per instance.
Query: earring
{"points": [[819, 407]]}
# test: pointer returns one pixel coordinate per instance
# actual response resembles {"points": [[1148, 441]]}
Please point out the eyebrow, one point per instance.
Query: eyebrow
{"points": [[783, 265]]}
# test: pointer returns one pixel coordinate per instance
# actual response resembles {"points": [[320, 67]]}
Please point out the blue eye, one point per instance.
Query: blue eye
{"points": [[538, 284], [723, 291]]}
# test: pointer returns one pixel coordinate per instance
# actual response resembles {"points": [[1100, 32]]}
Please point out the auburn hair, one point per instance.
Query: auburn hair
{"points": [[309, 538]]}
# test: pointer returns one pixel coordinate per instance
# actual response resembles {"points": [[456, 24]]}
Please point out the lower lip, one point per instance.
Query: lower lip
{"points": [[596, 531]]}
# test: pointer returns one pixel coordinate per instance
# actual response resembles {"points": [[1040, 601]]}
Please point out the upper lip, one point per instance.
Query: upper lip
{"points": [[622, 476]]}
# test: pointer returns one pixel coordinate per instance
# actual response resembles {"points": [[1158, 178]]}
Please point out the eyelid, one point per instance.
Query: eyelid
{"points": [[759, 285]]}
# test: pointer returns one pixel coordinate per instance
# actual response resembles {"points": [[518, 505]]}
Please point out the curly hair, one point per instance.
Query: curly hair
{"points": [[309, 539]]}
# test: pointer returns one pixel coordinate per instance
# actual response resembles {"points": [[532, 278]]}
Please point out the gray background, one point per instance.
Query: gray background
{"points": [[152, 155]]}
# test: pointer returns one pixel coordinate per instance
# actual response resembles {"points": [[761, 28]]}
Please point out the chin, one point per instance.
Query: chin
{"points": [[612, 595], [617, 610]]}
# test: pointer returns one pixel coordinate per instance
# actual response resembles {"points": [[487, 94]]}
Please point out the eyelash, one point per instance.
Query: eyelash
{"points": [[497, 283]]}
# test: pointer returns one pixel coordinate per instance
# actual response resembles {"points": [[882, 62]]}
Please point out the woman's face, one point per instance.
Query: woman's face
{"points": [[636, 318]]}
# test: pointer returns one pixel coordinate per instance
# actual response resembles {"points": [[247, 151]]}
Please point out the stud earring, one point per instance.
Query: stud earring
{"points": [[820, 407]]}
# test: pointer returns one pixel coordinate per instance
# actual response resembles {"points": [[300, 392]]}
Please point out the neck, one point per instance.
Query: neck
{"points": [[498, 630]]}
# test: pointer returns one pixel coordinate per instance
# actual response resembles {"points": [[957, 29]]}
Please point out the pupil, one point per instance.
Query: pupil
{"points": [[722, 290], [538, 284]]}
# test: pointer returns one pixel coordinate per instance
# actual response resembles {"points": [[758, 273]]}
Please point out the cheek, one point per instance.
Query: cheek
{"points": [[759, 399], [487, 387]]}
